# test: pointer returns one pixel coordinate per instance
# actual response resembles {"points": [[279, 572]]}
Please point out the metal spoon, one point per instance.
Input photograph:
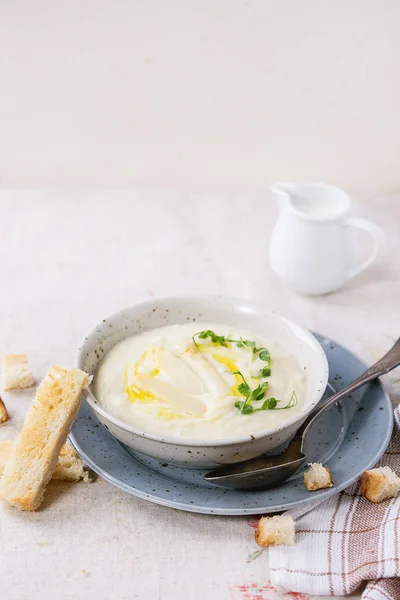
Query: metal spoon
{"points": [[269, 471]]}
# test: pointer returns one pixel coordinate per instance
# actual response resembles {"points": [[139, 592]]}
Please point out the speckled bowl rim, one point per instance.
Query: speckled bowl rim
{"points": [[218, 442]]}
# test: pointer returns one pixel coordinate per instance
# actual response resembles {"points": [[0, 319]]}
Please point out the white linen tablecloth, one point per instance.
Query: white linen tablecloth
{"points": [[70, 259]]}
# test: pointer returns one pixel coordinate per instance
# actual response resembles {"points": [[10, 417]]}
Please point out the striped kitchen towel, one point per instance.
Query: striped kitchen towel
{"points": [[344, 542]]}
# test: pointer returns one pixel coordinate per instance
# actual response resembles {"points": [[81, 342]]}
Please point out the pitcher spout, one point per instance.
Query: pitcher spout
{"points": [[283, 191]]}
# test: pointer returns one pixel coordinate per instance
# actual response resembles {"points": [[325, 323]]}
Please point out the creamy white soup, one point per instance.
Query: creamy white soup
{"points": [[203, 382]]}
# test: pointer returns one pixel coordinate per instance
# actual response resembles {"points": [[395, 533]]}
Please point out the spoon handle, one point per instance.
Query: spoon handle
{"points": [[384, 365]]}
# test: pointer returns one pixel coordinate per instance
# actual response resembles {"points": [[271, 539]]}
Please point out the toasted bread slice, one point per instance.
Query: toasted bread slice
{"points": [[317, 477], [69, 465], [379, 484], [3, 412], [16, 372], [34, 456], [276, 531]]}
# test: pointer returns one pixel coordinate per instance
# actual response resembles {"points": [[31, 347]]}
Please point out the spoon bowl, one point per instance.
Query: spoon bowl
{"points": [[260, 473]]}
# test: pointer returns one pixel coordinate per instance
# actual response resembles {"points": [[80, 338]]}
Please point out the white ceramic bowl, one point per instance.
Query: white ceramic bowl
{"points": [[299, 342]]}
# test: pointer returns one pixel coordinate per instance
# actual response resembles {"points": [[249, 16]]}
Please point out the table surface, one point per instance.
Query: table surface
{"points": [[69, 260], [199, 95]]}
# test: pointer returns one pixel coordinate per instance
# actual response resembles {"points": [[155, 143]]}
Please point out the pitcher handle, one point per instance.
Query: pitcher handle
{"points": [[379, 239]]}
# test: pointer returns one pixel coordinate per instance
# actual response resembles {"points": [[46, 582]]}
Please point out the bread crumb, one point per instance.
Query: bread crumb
{"points": [[276, 531], [3, 412], [45, 544], [317, 477], [86, 477], [379, 484], [16, 372]]}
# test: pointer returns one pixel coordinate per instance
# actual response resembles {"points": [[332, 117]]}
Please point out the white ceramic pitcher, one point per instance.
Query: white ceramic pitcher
{"points": [[312, 244]]}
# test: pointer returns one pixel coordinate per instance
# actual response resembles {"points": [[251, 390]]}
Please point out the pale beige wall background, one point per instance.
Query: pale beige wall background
{"points": [[200, 94]]}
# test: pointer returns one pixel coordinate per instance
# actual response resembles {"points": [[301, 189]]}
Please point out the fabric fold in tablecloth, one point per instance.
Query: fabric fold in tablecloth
{"points": [[345, 541]]}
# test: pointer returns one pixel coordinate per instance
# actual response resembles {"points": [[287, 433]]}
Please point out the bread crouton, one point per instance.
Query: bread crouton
{"points": [[69, 465], [34, 455], [317, 477], [276, 531], [379, 484], [16, 372], [3, 412]]}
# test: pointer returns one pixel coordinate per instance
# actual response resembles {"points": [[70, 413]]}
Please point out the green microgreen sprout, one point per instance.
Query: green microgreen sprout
{"points": [[265, 372], [292, 402], [259, 394], [216, 339], [250, 395]]}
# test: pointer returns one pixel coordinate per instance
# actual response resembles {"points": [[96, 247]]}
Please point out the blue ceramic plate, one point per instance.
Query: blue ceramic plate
{"points": [[349, 438]]}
